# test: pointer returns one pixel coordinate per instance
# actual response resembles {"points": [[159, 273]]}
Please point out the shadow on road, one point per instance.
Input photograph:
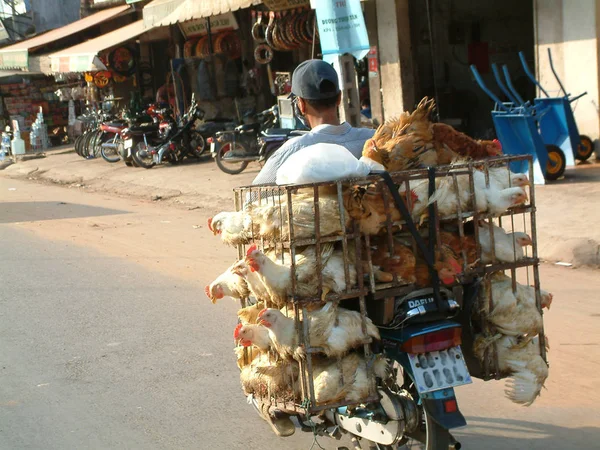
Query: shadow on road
{"points": [[12, 212], [518, 434], [584, 172]]}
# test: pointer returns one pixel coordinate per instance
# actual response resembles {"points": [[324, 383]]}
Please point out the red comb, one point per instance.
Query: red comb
{"points": [[210, 224], [251, 249], [236, 332], [455, 265], [260, 314], [207, 291], [497, 143]]}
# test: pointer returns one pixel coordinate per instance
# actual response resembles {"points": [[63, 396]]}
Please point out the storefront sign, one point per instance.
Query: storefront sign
{"points": [[281, 5], [373, 63], [81, 63], [17, 59], [197, 27], [341, 28]]}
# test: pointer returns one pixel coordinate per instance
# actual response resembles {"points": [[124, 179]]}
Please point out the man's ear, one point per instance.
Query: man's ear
{"points": [[339, 99], [301, 106]]}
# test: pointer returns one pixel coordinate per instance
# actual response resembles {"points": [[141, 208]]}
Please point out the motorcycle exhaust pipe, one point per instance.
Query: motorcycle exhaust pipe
{"points": [[240, 159], [109, 145]]}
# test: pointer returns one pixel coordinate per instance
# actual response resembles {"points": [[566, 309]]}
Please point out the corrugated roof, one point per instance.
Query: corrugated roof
{"points": [[157, 10], [167, 12], [67, 30]]}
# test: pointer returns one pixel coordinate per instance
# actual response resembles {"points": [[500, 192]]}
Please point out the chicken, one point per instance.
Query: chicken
{"points": [[335, 330], [366, 205], [277, 278], [228, 284], [456, 244], [528, 370], [514, 313], [269, 220], [402, 262], [446, 265], [233, 227], [501, 178], [463, 145], [252, 334], [407, 142], [249, 314], [266, 378], [253, 281], [508, 247], [351, 370]]}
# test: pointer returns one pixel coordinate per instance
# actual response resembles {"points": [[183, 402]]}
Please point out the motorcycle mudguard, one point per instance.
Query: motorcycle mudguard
{"points": [[433, 402]]}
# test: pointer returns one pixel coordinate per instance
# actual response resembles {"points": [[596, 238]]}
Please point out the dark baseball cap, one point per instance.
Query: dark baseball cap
{"points": [[315, 80]]}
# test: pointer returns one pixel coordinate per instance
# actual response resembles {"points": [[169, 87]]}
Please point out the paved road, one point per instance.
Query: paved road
{"points": [[106, 345]]}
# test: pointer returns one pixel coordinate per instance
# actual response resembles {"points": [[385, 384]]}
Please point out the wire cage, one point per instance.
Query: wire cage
{"points": [[346, 243]]}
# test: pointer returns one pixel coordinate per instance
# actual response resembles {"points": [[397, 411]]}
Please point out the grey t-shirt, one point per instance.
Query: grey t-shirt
{"points": [[351, 138]]}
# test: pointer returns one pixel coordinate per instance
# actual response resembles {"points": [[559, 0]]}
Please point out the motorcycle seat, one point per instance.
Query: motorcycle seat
{"points": [[249, 127], [278, 131], [116, 123], [144, 128]]}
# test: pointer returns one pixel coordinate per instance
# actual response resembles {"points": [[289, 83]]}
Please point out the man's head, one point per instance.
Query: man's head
{"points": [[315, 84]]}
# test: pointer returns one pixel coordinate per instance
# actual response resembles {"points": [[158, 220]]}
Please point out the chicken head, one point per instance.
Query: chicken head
{"points": [[448, 270], [523, 239], [519, 180], [242, 335], [269, 317], [254, 258], [518, 197], [214, 292]]}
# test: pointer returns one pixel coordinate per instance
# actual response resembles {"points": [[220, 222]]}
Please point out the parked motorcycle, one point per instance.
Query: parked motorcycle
{"points": [[233, 150], [151, 132], [175, 147]]}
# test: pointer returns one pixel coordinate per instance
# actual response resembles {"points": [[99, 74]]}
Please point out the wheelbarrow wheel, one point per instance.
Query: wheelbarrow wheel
{"points": [[585, 149], [555, 168]]}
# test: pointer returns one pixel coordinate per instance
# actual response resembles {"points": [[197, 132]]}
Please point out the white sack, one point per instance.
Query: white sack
{"points": [[321, 162]]}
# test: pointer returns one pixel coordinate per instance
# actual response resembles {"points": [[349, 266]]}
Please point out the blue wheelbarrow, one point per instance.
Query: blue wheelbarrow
{"points": [[558, 126], [516, 124]]}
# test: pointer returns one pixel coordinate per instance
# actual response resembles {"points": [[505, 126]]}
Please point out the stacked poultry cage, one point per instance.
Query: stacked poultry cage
{"points": [[322, 266]]}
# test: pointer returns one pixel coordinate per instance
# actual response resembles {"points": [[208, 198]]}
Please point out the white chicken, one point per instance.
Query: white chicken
{"points": [[265, 378], [228, 284], [514, 313], [277, 278], [522, 360], [269, 220], [503, 178], [508, 247], [252, 334], [449, 197], [335, 330], [253, 281]]}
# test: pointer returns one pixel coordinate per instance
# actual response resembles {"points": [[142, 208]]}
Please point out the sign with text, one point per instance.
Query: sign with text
{"points": [[197, 27], [341, 28]]}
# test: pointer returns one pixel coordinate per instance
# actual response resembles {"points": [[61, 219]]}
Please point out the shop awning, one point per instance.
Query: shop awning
{"points": [[18, 73], [84, 57], [157, 10], [16, 56], [193, 9]]}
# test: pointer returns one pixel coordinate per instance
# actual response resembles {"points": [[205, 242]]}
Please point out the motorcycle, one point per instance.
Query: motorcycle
{"points": [[174, 147], [257, 141], [152, 132]]}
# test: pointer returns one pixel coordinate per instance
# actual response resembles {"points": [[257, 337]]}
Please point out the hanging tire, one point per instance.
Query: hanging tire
{"points": [[555, 168], [142, 156], [110, 155], [232, 168], [585, 149], [95, 143]]}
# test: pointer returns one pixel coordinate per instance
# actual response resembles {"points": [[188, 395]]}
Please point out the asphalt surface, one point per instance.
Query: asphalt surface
{"points": [[107, 340]]}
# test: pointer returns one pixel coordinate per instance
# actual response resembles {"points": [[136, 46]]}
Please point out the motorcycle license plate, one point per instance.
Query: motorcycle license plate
{"points": [[128, 143], [439, 370]]}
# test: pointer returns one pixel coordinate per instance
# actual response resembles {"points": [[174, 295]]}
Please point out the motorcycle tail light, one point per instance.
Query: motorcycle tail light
{"points": [[450, 406], [433, 342], [172, 146], [209, 140]]}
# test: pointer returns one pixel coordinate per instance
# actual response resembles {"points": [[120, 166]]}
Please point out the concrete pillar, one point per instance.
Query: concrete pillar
{"points": [[395, 57], [370, 12], [571, 28]]}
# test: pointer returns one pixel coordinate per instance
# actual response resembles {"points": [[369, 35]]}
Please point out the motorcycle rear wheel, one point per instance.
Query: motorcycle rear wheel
{"points": [[110, 155], [231, 168], [142, 157], [77, 145], [429, 435], [197, 144], [85, 148]]}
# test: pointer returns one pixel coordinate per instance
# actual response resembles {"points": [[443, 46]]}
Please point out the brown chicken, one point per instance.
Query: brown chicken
{"points": [[366, 205], [402, 262], [455, 244], [413, 141]]}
